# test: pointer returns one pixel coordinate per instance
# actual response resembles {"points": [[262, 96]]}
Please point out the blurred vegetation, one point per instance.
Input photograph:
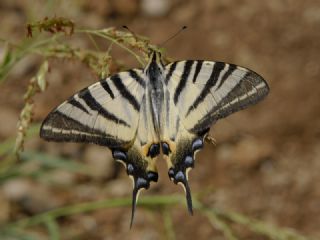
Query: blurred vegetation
{"points": [[48, 38]]}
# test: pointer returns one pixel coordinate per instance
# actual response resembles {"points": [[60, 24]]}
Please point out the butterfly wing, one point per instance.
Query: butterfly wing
{"points": [[201, 93], [210, 90], [105, 113], [110, 113]]}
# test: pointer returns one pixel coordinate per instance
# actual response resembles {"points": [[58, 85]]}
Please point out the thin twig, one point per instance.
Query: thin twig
{"points": [[260, 227], [220, 225], [104, 35]]}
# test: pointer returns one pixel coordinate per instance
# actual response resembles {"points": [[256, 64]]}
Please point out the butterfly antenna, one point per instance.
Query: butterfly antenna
{"points": [[173, 36], [130, 31], [188, 197], [134, 203]]}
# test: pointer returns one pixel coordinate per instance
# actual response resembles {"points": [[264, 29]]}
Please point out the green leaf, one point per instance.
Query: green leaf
{"points": [[7, 56], [53, 228], [7, 59]]}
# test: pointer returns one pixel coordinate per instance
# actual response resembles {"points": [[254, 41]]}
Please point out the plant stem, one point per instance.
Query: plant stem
{"points": [[91, 206], [104, 35], [215, 216], [260, 227], [220, 225]]}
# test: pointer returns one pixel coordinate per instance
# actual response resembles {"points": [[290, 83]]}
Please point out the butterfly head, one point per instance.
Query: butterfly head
{"points": [[155, 66]]}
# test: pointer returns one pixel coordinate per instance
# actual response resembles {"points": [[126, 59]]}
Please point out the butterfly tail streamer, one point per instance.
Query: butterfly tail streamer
{"points": [[135, 196], [188, 197]]}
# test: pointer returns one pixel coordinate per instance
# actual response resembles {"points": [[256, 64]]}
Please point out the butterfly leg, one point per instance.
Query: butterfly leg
{"points": [[181, 158], [139, 168]]}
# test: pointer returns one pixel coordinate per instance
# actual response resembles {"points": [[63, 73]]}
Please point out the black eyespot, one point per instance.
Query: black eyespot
{"points": [[119, 155], [165, 148], [197, 144], [188, 161], [130, 169], [154, 150], [171, 173], [179, 177], [152, 176], [142, 183]]}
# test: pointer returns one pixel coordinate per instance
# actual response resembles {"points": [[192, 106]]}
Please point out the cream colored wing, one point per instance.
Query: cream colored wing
{"points": [[113, 113], [105, 113], [202, 92]]}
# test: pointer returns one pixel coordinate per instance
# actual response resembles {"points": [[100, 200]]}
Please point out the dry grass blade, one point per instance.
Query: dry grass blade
{"points": [[36, 84]]}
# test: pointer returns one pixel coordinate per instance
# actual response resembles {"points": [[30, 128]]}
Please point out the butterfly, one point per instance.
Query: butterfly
{"points": [[165, 110]]}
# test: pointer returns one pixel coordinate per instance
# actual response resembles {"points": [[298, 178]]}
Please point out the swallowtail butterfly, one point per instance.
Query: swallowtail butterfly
{"points": [[161, 109]]}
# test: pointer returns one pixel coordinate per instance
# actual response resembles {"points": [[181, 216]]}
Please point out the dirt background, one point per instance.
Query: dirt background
{"points": [[267, 160]]}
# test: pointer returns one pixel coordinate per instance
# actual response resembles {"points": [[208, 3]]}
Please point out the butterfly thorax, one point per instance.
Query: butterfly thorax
{"points": [[155, 88]]}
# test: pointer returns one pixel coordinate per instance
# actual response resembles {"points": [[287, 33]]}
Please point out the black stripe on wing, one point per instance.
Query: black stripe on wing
{"points": [[228, 73], [197, 71], [251, 81], [95, 106], [183, 80], [107, 88], [74, 131], [117, 81], [76, 104], [216, 70], [136, 77], [171, 70]]}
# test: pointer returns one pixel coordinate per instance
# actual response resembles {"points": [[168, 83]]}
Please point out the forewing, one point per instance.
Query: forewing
{"points": [[205, 91], [105, 113]]}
